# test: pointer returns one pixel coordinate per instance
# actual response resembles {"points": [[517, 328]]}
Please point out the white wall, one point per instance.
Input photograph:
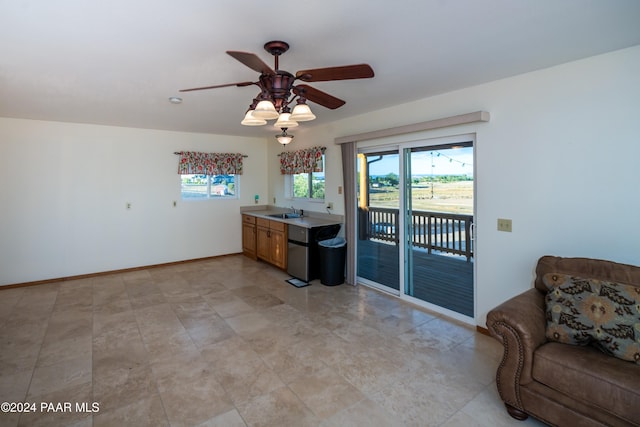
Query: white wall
{"points": [[64, 192], [307, 137], [560, 157]]}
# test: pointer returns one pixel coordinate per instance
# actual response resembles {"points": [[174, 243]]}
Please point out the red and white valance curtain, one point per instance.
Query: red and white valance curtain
{"points": [[193, 162], [301, 161]]}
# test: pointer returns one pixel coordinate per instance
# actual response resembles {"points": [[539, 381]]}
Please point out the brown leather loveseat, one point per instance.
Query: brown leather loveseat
{"points": [[585, 377]]}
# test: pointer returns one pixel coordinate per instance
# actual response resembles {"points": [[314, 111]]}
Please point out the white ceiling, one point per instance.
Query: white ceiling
{"points": [[117, 62]]}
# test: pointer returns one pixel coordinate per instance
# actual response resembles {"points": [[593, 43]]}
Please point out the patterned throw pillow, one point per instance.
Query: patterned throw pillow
{"points": [[580, 311]]}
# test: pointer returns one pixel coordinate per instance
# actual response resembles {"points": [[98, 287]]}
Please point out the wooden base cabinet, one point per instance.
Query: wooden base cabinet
{"points": [[271, 242], [249, 236]]}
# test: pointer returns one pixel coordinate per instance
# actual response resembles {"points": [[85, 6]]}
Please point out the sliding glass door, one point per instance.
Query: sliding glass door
{"points": [[438, 194], [415, 222], [378, 254]]}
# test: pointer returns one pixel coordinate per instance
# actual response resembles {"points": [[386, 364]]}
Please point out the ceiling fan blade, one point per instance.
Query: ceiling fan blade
{"points": [[357, 71], [318, 96], [251, 61], [241, 84]]}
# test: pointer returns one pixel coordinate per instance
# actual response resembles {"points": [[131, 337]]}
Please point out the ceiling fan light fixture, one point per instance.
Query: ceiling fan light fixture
{"points": [[284, 121], [265, 110], [250, 120], [278, 89], [284, 138], [302, 113]]}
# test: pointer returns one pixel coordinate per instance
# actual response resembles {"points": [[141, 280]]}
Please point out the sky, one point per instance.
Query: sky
{"points": [[457, 161]]}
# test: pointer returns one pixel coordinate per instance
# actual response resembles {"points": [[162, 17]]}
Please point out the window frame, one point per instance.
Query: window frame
{"points": [[290, 183], [210, 185]]}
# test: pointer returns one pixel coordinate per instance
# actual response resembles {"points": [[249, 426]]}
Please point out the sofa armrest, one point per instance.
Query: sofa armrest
{"points": [[519, 324]]}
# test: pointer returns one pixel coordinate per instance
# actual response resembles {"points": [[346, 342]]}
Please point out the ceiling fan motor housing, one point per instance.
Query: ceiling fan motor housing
{"points": [[278, 86]]}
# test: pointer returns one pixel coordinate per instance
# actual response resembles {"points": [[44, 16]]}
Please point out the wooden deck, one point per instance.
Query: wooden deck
{"points": [[444, 280]]}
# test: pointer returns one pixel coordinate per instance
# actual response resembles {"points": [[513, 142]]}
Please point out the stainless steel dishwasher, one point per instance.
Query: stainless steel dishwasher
{"points": [[303, 249]]}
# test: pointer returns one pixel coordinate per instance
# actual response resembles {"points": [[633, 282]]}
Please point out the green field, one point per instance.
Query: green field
{"points": [[450, 197]]}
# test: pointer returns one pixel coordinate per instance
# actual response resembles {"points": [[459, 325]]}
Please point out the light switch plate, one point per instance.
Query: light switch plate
{"points": [[504, 225]]}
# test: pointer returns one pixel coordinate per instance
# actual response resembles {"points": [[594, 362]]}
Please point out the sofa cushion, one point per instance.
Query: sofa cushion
{"points": [[581, 310], [586, 267], [590, 376]]}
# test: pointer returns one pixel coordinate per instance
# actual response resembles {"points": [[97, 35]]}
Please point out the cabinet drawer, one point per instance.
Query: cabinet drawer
{"points": [[277, 225], [263, 222], [248, 219]]}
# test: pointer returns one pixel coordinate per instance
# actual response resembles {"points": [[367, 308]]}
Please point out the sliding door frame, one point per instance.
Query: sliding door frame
{"points": [[400, 145], [387, 149]]}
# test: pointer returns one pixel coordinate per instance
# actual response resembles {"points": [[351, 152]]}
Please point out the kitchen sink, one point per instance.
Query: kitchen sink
{"points": [[285, 215]]}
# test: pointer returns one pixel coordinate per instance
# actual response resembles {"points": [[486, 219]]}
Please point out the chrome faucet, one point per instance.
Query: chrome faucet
{"points": [[293, 210]]}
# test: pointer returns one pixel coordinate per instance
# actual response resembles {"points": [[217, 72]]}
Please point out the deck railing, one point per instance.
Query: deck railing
{"points": [[434, 231]]}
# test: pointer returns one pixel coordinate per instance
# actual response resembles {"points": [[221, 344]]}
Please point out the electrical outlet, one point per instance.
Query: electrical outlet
{"points": [[175, 203], [128, 205], [504, 225], [330, 205], [339, 189]]}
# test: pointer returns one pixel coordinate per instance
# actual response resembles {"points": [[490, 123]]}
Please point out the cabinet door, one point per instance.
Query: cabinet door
{"points": [[278, 249], [278, 243], [263, 246], [249, 240], [249, 236]]}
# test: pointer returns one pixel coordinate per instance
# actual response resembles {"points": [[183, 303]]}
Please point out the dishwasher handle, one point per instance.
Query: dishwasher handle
{"points": [[298, 243]]}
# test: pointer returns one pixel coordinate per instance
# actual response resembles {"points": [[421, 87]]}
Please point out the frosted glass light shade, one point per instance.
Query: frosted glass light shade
{"points": [[249, 120], [302, 113], [265, 110], [284, 138], [284, 121]]}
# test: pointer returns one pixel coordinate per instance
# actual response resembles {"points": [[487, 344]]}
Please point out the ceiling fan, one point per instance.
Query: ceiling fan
{"points": [[279, 88]]}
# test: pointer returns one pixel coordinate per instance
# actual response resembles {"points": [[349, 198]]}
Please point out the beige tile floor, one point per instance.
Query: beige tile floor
{"points": [[227, 342]]}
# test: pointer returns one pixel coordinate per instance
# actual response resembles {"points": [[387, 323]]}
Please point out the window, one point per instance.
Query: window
{"points": [[209, 186], [308, 185]]}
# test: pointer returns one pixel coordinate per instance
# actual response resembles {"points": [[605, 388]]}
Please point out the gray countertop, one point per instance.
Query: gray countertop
{"points": [[307, 221]]}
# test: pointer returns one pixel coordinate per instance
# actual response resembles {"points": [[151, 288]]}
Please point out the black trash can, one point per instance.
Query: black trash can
{"points": [[332, 257]]}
